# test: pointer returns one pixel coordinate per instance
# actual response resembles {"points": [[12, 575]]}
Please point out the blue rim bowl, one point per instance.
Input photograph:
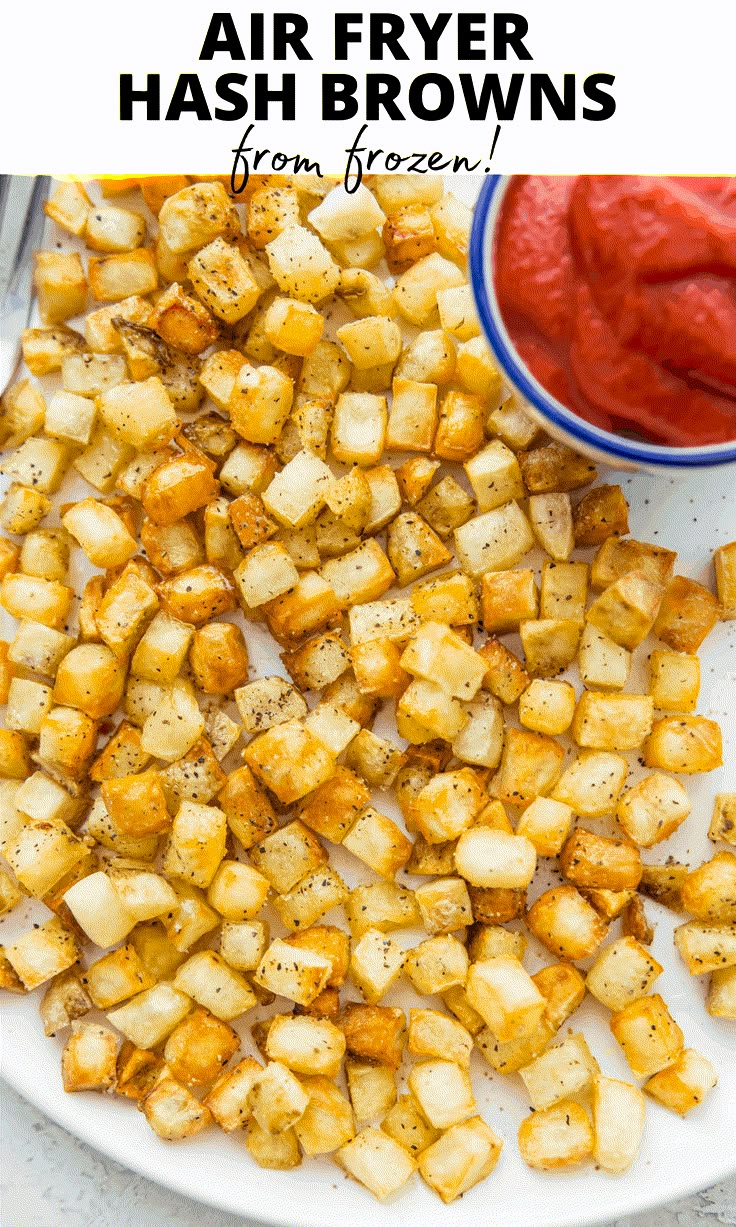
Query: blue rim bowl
{"points": [[560, 421]]}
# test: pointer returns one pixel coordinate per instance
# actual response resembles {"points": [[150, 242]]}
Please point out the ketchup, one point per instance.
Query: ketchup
{"points": [[619, 293]]}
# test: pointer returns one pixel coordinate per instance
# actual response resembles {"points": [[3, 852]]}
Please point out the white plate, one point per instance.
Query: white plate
{"points": [[693, 515]]}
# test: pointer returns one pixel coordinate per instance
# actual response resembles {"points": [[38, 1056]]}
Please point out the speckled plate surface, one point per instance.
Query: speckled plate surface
{"points": [[693, 515]]}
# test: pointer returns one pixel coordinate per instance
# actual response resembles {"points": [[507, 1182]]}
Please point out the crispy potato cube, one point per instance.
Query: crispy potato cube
{"points": [[596, 862], [189, 921], [377, 668], [494, 474], [376, 1161], [459, 436], [37, 649], [176, 488], [330, 942], [198, 1048], [531, 765], [438, 654], [260, 403], [42, 953], [266, 573], [706, 947], [507, 599], [276, 1152], [67, 741], [91, 678], [437, 964], [626, 611], [564, 590], [550, 644], [723, 821], [333, 807], [601, 513], [38, 600], [494, 541], [287, 855], [546, 823], [721, 999], [414, 548], [69, 206], [268, 702], [464, 1155], [413, 419], [196, 844], [374, 1033], [122, 275], [592, 784], [445, 905], [224, 281], [109, 228], [197, 214], [505, 996], [447, 805], [446, 506], [139, 414], [327, 1121], [172, 1111], [294, 972], [317, 893], [674, 681], [416, 291], [622, 972], [664, 883], [301, 265], [562, 1071], [198, 594], [686, 744], [432, 1034], [566, 924], [551, 519], [89, 1059], [709, 892], [407, 1126], [372, 341], [408, 236], [556, 1137], [724, 561], [44, 851], [547, 707], [687, 614], [451, 219], [60, 284], [290, 761], [23, 509], [616, 557], [65, 1000], [162, 650], [228, 1098], [38, 463], [555, 468], [372, 1088], [563, 987], [375, 964], [378, 842], [116, 977], [243, 943], [237, 891], [650, 1037], [684, 1084], [396, 191]]}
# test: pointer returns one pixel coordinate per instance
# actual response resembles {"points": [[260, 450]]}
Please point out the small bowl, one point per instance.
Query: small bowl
{"points": [[559, 421]]}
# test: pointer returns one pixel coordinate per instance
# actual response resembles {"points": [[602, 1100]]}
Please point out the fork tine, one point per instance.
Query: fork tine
{"points": [[32, 230]]}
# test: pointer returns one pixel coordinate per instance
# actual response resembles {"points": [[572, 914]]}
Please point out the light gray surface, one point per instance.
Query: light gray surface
{"points": [[49, 1179]]}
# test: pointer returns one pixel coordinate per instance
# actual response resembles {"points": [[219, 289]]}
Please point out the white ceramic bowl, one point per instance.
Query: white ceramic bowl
{"points": [[559, 421]]}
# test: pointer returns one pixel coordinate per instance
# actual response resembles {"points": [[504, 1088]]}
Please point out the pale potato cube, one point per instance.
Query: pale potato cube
{"points": [[344, 215], [196, 215], [723, 821], [147, 1020], [603, 664], [626, 610], [438, 654], [100, 532], [593, 783], [443, 1091], [505, 996], [99, 910], [550, 516], [556, 1137], [494, 541], [162, 650], [378, 842], [375, 964], [228, 1098], [706, 947], [495, 476], [176, 724], [721, 999], [550, 644], [139, 414], [486, 857], [687, 744], [376, 1161], [618, 1123], [237, 891], [563, 1071], [302, 265], [311, 899], [243, 943], [464, 1155], [359, 428], [306, 1045], [289, 971], [207, 979], [674, 682], [437, 964], [413, 418], [290, 761], [173, 1112], [480, 741]]}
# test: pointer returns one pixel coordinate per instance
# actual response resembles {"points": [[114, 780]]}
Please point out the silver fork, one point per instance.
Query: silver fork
{"points": [[22, 221]]}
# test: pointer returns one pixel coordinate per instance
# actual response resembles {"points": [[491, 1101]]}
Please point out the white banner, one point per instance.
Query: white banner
{"points": [[555, 86]]}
